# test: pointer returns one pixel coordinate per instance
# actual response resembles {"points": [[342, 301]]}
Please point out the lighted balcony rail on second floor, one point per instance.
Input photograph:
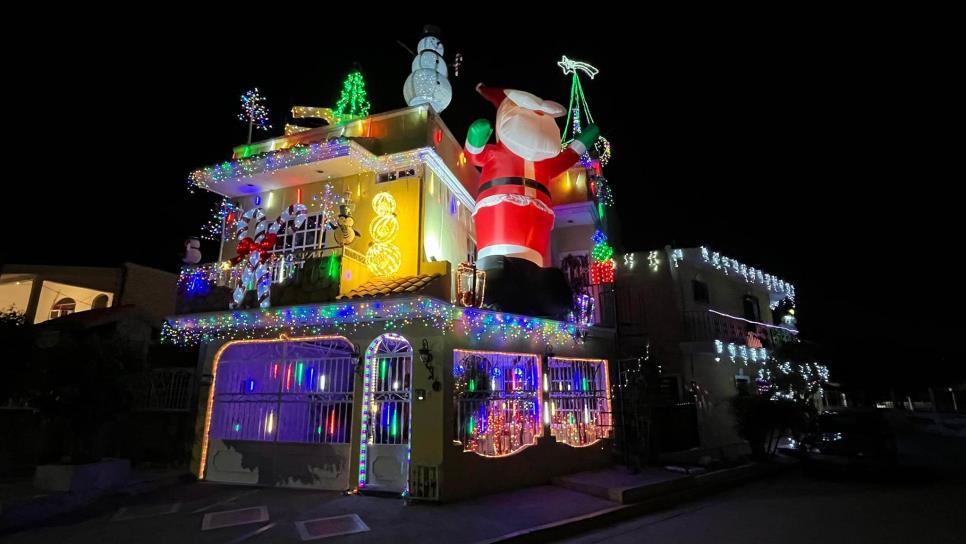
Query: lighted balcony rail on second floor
{"points": [[702, 325], [315, 273]]}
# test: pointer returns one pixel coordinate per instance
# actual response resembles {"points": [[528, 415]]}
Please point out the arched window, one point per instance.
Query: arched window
{"points": [[100, 301], [62, 307]]}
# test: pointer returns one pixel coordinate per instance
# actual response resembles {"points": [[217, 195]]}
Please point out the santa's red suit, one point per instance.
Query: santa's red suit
{"points": [[514, 212]]}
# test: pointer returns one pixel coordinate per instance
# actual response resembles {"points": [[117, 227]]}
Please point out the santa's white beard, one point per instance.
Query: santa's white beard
{"points": [[531, 136]]}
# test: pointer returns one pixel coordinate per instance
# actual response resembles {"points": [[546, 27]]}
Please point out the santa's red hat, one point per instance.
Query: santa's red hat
{"points": [[493, 95], [496, 96]]}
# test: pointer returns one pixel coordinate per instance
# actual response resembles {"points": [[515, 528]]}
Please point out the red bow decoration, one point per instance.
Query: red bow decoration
{"points": [[247, 245]]}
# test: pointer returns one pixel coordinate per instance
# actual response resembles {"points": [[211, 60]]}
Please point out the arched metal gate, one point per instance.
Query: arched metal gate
{"points": [[280, 413]]}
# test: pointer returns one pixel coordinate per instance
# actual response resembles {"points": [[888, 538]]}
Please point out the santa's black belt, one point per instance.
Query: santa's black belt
{"points": [[496, 182]]}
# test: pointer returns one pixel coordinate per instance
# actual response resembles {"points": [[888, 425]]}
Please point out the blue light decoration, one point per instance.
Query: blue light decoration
{"points": [[248, 386], [310, 376], [197, 284], [452, 205]]}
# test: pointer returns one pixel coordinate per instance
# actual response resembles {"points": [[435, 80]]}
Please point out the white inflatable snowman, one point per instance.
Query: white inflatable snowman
{"points": [[428, 83]]}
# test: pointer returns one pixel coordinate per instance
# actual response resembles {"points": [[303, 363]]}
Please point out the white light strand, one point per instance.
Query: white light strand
{"points": [[750, 274]]}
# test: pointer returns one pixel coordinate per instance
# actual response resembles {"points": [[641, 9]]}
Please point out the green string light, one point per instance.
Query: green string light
{"points": [[352, 102]]}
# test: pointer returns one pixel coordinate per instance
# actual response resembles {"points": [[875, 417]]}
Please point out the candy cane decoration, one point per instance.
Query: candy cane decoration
{"points": [[257, 237], [251, 225], [242, 225], [296, 214]]}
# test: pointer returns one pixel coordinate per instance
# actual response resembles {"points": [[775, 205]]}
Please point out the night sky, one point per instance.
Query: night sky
{"points": [[818, 154]]}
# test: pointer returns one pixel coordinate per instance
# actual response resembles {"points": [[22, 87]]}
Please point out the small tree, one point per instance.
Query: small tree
{"points": [[787, 385], [352, 102], [254, 111]]}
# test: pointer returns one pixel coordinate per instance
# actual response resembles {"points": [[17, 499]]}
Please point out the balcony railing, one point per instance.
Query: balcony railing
{"points": [[702, 325], [209, 287]]}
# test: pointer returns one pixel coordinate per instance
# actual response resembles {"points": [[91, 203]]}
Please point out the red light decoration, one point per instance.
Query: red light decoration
{"points": [[437, 136], [602, 272]]}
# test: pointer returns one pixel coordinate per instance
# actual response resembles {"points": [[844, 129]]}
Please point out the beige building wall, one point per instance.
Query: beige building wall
{"points": [[52, 293], [15, 293]]}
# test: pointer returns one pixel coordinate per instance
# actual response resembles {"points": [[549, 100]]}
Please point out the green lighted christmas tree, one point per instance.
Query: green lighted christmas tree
{"points": [[352, 103]]}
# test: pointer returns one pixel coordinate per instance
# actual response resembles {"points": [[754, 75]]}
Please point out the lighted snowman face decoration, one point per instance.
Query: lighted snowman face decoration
{"points": [[345, 234], [525, 125]]}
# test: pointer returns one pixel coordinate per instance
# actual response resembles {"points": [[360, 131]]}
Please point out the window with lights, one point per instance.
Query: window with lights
{"points": [[579, 400], [497, 401]]}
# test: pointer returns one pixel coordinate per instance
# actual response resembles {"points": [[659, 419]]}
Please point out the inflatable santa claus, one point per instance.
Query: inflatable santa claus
{"points": [[514, 211]]}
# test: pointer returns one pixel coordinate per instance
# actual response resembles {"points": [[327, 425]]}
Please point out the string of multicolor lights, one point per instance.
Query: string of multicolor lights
{"points": [[350, 317], [254, 111], [296, 155], [213, 229], [241, 169]]}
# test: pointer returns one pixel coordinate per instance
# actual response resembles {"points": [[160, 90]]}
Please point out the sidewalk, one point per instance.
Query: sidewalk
{"points": [[531, 514], [22, 504]]}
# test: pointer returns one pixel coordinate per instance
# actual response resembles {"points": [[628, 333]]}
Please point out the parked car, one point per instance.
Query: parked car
{"points": [[850, 438], [788, 445]]}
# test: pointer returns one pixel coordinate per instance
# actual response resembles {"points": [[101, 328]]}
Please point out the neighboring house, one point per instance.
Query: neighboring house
{"points": [[708, 321], [45, 292], [356, 366], [101, 323]]}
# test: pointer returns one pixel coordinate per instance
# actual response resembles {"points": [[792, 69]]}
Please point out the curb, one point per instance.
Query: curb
{"points": [[701, 485]]}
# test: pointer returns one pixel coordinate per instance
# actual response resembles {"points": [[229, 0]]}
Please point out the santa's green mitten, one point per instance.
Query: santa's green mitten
{"points": [[479, 133]]}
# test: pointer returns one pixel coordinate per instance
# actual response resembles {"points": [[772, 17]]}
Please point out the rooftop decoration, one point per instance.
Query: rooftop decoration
{"points": [[254, 111], [428, 82], [352, 103], [309, 112], [601, 148]]}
